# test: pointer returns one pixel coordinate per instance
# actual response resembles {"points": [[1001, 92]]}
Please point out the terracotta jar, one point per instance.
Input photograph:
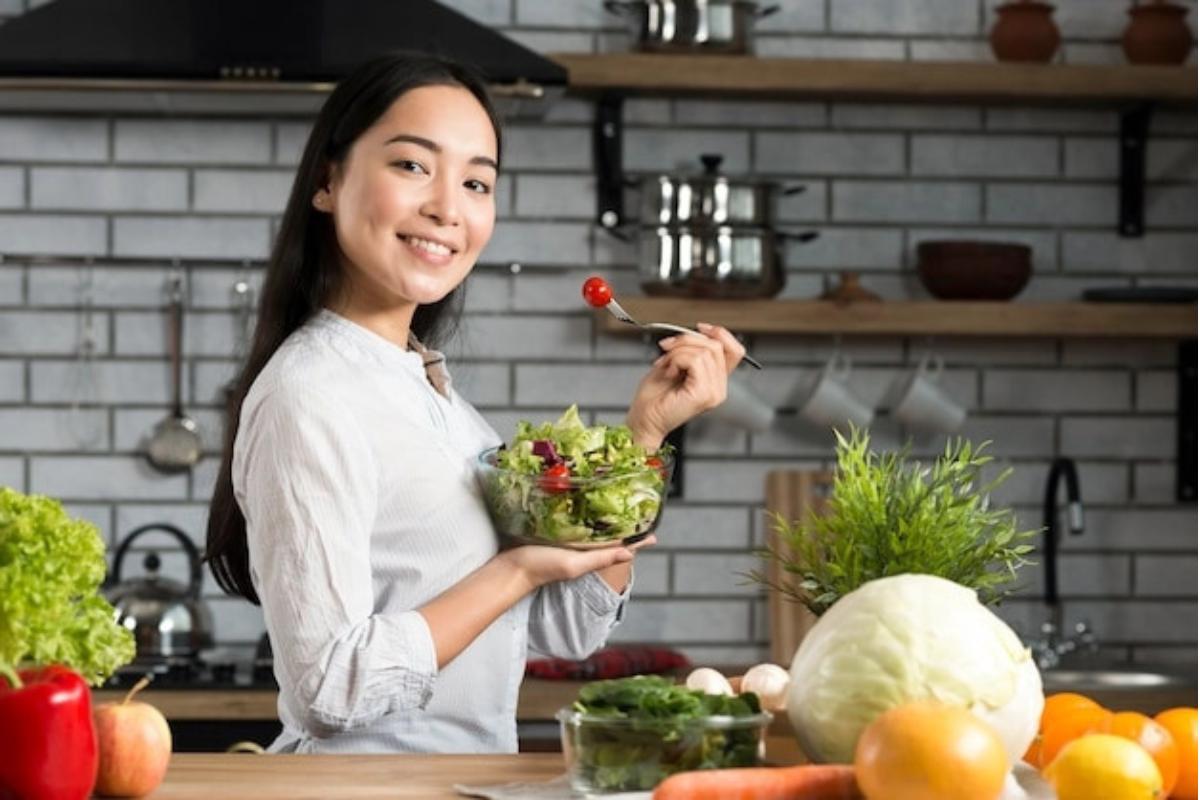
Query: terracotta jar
{"points": [[1025, 31], [1157, 34]]}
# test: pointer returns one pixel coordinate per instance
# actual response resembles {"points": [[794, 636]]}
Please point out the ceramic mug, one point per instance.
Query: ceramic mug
{"points": [[829, 403], [743, 408], [919, 402]]}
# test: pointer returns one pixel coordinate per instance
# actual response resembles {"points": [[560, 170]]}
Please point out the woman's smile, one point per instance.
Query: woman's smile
{"points": [[431, 250]]}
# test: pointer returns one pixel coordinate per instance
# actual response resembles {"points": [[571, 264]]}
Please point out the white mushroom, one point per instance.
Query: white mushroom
{"points": [[709, 681], [770, 682]]}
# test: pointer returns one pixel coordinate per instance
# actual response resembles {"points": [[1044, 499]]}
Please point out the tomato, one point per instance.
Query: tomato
{"points": [[929, 751], [654, 462], [1181, 724], [556, 479], [597, 292]]}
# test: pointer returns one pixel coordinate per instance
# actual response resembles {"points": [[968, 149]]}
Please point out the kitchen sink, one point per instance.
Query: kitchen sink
{"points": [[1125, 687], [1132, 679]]}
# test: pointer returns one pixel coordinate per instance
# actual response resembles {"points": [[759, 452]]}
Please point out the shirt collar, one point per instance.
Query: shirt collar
{"points": [[432, 362]]}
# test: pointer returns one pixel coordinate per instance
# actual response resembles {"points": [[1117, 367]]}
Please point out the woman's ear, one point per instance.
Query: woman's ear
{"points": [[322, 199]]}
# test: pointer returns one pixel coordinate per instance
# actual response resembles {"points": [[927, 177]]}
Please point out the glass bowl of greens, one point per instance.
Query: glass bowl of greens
{"points": [[630, 734], [571, 485]]}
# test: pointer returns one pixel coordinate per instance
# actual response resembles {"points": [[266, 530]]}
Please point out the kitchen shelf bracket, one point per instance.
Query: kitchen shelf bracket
{"points": [[608, 133], [1185, 423], [1135, 127]]}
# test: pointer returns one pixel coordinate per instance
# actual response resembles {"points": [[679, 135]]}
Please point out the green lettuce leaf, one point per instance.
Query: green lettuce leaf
{"points": [[51, 568]]}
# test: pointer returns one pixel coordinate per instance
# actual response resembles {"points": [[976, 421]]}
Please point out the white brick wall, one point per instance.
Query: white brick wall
{"points": [[152, 198]]}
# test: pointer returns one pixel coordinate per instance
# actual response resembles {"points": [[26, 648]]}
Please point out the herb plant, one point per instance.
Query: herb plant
{"points": [[51, 567], [890, 515], [634, 732]]}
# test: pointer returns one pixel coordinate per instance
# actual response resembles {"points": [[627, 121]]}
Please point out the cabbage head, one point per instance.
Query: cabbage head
{"points": [[910, 637]]}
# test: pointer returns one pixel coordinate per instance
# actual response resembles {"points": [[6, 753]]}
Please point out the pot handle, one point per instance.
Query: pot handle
{"points": [[765, 11], [806, 236], [193, 555], [797, 189], [618, 7]]}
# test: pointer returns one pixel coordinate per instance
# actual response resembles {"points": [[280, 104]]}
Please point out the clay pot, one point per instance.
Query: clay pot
{"points": [[1025, 31], [1157, 34]]}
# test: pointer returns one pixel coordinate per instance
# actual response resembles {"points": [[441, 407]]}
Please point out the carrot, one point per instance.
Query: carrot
{"points": [[806, 782]]}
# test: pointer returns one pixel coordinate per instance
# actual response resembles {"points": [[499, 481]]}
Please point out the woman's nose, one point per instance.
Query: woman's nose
{"points": [[441, 204]]}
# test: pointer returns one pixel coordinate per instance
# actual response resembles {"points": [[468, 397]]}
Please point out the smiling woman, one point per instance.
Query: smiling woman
{"points": [[412, 205], [346, 503]]}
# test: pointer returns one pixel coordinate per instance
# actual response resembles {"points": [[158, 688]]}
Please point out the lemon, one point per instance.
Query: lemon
{"points": [[1100, 765]]}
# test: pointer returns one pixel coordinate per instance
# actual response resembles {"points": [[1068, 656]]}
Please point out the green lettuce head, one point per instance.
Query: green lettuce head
{"points": [[51, 611]]}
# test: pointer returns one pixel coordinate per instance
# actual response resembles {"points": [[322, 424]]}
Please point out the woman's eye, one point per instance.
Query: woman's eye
{"points": [[409, 166], [478, 186]]}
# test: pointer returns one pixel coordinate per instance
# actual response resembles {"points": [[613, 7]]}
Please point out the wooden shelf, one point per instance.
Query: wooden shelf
{"points": [[758, 78], [922, 318]]}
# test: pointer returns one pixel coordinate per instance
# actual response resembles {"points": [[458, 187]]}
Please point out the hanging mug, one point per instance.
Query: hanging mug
{"points": [[829, 403], [920, 403]]}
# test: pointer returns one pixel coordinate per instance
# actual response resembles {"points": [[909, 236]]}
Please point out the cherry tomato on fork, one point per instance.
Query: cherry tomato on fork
{"points": [[597, 292], [555, 479]]}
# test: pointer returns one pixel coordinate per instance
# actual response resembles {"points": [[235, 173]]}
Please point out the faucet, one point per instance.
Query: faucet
{"points": [[1049, 650]]}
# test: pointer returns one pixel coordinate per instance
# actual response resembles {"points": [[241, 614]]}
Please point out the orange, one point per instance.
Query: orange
{"points": [[1154, 739], [1056, 706], [929, 751], [1068, 726], [1181, 724], [1100, 765]]}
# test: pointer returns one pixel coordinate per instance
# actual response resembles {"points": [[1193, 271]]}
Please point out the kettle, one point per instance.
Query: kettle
{"points": [[169, 621]]}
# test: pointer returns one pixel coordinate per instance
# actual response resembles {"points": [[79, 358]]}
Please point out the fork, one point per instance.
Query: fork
{"points": [[615, 309]]}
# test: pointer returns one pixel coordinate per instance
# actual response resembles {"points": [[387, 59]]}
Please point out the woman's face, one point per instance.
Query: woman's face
{"points": [[413, 202]]}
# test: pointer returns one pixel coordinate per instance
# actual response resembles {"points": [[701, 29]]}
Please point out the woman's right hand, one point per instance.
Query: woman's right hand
{"points": [[541, 564]]}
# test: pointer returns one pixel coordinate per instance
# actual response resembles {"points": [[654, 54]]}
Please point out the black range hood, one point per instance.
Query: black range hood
{"points": [[246, 45]]}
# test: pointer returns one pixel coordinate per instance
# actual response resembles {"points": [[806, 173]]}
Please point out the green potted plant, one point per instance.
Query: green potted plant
{"points": [[888, 515]]}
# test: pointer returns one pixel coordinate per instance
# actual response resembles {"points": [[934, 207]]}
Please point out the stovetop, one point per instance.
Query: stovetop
{"points": [[197, 674]]}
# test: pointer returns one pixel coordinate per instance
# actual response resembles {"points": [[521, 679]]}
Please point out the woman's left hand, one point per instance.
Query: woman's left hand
{"points": [[688, 379]]}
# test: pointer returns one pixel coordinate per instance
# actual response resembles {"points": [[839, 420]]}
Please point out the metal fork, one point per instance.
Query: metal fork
{"points": [[615, 309]]}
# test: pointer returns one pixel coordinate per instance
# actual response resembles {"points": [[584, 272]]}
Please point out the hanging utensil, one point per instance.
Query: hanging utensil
{"points": [[243, 306], [85, 378], [175, 444]]}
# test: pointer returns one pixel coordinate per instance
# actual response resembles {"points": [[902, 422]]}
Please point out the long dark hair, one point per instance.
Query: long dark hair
{"points": [[304, 274]]}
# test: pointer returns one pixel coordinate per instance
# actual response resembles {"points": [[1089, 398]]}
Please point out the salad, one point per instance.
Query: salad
{"points": [[565, 482], [631, 733]]}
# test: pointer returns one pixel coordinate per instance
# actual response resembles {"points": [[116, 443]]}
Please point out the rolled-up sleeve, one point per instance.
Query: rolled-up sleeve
{"points": [[305, 478], [572, 619]]}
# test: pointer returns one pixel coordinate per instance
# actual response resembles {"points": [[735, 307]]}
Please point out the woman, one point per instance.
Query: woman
{"points": [[346, 502]]}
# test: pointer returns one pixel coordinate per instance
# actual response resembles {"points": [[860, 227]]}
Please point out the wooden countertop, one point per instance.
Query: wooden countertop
{"points": [[220, 776]]}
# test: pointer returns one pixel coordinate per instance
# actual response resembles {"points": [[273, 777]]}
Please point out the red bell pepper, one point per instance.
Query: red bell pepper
{"points": [[47, 737]]}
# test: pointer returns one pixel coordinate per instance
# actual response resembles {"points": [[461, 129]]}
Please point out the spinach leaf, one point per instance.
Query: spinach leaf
{"points": [[631, 733]]}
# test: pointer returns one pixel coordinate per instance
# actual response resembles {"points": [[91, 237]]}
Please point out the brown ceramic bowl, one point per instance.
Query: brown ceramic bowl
{"points": [[966, 270]]}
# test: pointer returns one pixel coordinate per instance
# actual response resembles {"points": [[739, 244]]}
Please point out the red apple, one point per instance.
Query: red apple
{"points": [[135, 746]]}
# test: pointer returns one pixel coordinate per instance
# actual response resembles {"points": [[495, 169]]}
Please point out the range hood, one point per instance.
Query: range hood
{"points": [[232, 55]]}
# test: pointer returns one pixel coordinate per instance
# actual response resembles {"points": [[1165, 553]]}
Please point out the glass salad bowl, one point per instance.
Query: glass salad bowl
{"points": [[606, 509], [624, 754]]}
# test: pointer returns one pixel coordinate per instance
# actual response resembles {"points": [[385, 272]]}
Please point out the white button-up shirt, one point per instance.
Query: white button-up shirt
{"points": [[357, 481]]}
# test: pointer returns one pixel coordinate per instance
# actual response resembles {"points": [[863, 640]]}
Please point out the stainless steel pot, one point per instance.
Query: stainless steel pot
{"points": [[710, 26], [711, 198], [713, 261], [169, 620]]}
